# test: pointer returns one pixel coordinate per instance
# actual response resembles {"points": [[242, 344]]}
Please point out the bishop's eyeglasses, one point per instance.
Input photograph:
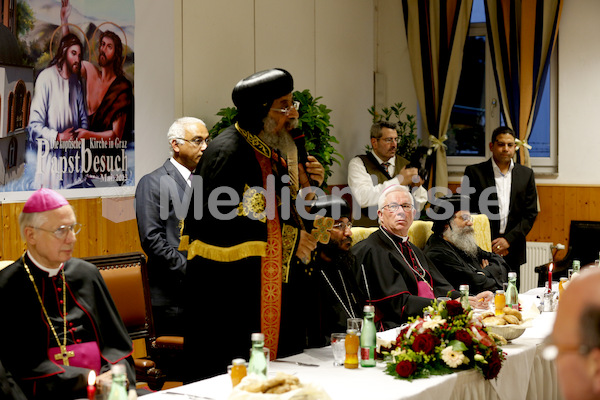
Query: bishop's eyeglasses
{"points": [[393, 207], [295, 105], [62, 231]]}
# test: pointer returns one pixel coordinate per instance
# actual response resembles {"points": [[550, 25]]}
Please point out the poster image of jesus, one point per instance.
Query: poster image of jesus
{"points": [[80, 132]]}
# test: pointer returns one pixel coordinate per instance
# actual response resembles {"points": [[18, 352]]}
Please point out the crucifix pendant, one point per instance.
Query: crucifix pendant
{"points": [[64, 355]]}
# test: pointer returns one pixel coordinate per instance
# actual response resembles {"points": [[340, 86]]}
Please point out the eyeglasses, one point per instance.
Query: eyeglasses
{"points": [[63, 230], [550, 350], [466, 217], [393, 207], [295, 105], [342, 225], [197, 141], [390, 140]]}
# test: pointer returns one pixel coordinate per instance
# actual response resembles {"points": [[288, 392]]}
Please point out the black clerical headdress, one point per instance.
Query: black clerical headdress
{"points": [[444, 206], [254, 95], [334, 207]]}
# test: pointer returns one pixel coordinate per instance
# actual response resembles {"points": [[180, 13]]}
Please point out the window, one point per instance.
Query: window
{"points": [[476, 112]]}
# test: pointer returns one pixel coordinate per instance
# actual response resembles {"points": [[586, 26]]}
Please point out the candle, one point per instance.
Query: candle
{"points": [[550, 267], [91, 389]]}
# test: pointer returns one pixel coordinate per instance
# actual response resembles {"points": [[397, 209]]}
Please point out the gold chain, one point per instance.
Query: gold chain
{"points": [[63, 346]]}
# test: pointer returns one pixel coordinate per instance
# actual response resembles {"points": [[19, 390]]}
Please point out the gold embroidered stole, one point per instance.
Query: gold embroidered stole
{"points": [[271, 272]]}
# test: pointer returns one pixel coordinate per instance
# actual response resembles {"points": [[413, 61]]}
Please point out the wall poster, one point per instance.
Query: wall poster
{"points": [[66, 94]]}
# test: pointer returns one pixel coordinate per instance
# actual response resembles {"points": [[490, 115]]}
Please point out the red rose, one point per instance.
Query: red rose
{"points": [[425, 343], [464, 337], [454, 308], [492, 368], [406, 368]]}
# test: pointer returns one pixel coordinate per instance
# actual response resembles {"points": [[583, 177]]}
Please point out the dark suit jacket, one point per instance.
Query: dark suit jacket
{"points": [[522, 211], [160, 236]]}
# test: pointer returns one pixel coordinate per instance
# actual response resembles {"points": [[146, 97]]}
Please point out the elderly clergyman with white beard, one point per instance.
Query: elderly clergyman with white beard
{"points": [[246, 244], [453, 249]]}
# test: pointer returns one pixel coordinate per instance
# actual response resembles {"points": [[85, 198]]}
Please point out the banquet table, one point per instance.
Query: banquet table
{"points": [[524, 375]]}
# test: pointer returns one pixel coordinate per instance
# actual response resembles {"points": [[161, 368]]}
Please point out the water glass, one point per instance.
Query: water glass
{"points": [[338, 346]]}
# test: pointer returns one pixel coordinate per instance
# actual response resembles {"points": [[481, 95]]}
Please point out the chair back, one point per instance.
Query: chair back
{"points": [[419, 232], [126, 278]]}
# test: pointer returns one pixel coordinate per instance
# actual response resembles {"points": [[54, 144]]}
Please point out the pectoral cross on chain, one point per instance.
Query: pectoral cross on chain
{"points": [[64, 355]]}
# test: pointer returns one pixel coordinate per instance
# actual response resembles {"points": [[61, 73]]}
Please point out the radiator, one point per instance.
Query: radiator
{"points": [[538, 253]]}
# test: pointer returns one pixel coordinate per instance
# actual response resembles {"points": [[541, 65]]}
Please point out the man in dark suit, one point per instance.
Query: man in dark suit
{"points": [[506, 193], [159, 222]]}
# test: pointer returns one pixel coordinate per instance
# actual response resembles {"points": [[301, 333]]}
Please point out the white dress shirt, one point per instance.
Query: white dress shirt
{"points": [[186, 173], [366, 190], [503, 186]]}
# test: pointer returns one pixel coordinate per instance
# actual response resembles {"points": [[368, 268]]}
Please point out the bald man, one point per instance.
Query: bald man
{"points": [[576, 338]]}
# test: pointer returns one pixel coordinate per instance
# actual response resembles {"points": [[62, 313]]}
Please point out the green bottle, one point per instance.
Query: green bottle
{"points": [[368, 338], [118, 388], [258, 362], [512, 294]]}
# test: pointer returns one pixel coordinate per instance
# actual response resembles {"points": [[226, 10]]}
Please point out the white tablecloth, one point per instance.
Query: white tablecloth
{"points": [[524, 375]]}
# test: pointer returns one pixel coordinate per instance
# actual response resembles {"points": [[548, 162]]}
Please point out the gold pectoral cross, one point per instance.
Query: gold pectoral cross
{"points": [[64, 355]]}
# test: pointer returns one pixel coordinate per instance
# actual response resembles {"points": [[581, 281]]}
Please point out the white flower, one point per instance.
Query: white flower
{"points": [[479, 358], [452, 358], [434, 323], [397, 351]]}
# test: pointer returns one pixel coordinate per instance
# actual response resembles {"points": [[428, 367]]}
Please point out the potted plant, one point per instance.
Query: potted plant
{"points": [[407, 139]]}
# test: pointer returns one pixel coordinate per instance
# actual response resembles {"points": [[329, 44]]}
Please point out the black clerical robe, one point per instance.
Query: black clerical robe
{"points": [[461, 268], [238, 281], [391, 283], [334, 297], [26, 335]]}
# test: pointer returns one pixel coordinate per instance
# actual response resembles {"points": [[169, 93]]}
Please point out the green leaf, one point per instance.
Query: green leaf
{"points": [[457, 345]]}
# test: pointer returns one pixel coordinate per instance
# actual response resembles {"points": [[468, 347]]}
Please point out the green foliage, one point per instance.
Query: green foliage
{"points": [[25, 18], [314, 122], [406, 127], [227, 115]]}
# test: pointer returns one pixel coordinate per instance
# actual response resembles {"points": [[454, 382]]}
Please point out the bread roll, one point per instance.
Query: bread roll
{"points": [[494, 321], [512, 311], [511, 319]]}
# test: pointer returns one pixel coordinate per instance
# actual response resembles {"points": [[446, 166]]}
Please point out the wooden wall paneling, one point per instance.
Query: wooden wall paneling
{"points": [[12, 245], [98, 236]]}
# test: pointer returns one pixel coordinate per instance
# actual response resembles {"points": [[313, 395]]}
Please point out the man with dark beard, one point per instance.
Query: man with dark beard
{"points": [[246, 244], [453, 249], [57, 112], [335, 296]]}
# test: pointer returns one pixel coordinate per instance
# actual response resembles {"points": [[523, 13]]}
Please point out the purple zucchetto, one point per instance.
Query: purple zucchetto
{"points": [[44, 200]]}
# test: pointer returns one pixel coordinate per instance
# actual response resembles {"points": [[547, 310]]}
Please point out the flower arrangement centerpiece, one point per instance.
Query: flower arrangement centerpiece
{"points": [[449, 338]]}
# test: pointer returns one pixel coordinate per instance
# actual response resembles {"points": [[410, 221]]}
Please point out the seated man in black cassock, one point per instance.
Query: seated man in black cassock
{"points": [[453, 248], [336, 295], [395, 274], [60, 321]]}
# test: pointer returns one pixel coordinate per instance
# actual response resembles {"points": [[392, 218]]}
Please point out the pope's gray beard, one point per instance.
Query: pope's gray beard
{"points": [[281, 140], [463, 238]]}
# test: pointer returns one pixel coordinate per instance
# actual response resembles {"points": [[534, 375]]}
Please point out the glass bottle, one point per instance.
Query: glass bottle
{"points": [[561, 286], [499, 302], [512, 294], [576, 266], [368, 339], [258, 362], [118, 388], [351, 344], [464, 296], [238, 370]]}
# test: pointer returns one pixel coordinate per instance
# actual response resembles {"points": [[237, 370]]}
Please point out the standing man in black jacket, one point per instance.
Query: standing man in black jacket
{"points": [[506, 193]]}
